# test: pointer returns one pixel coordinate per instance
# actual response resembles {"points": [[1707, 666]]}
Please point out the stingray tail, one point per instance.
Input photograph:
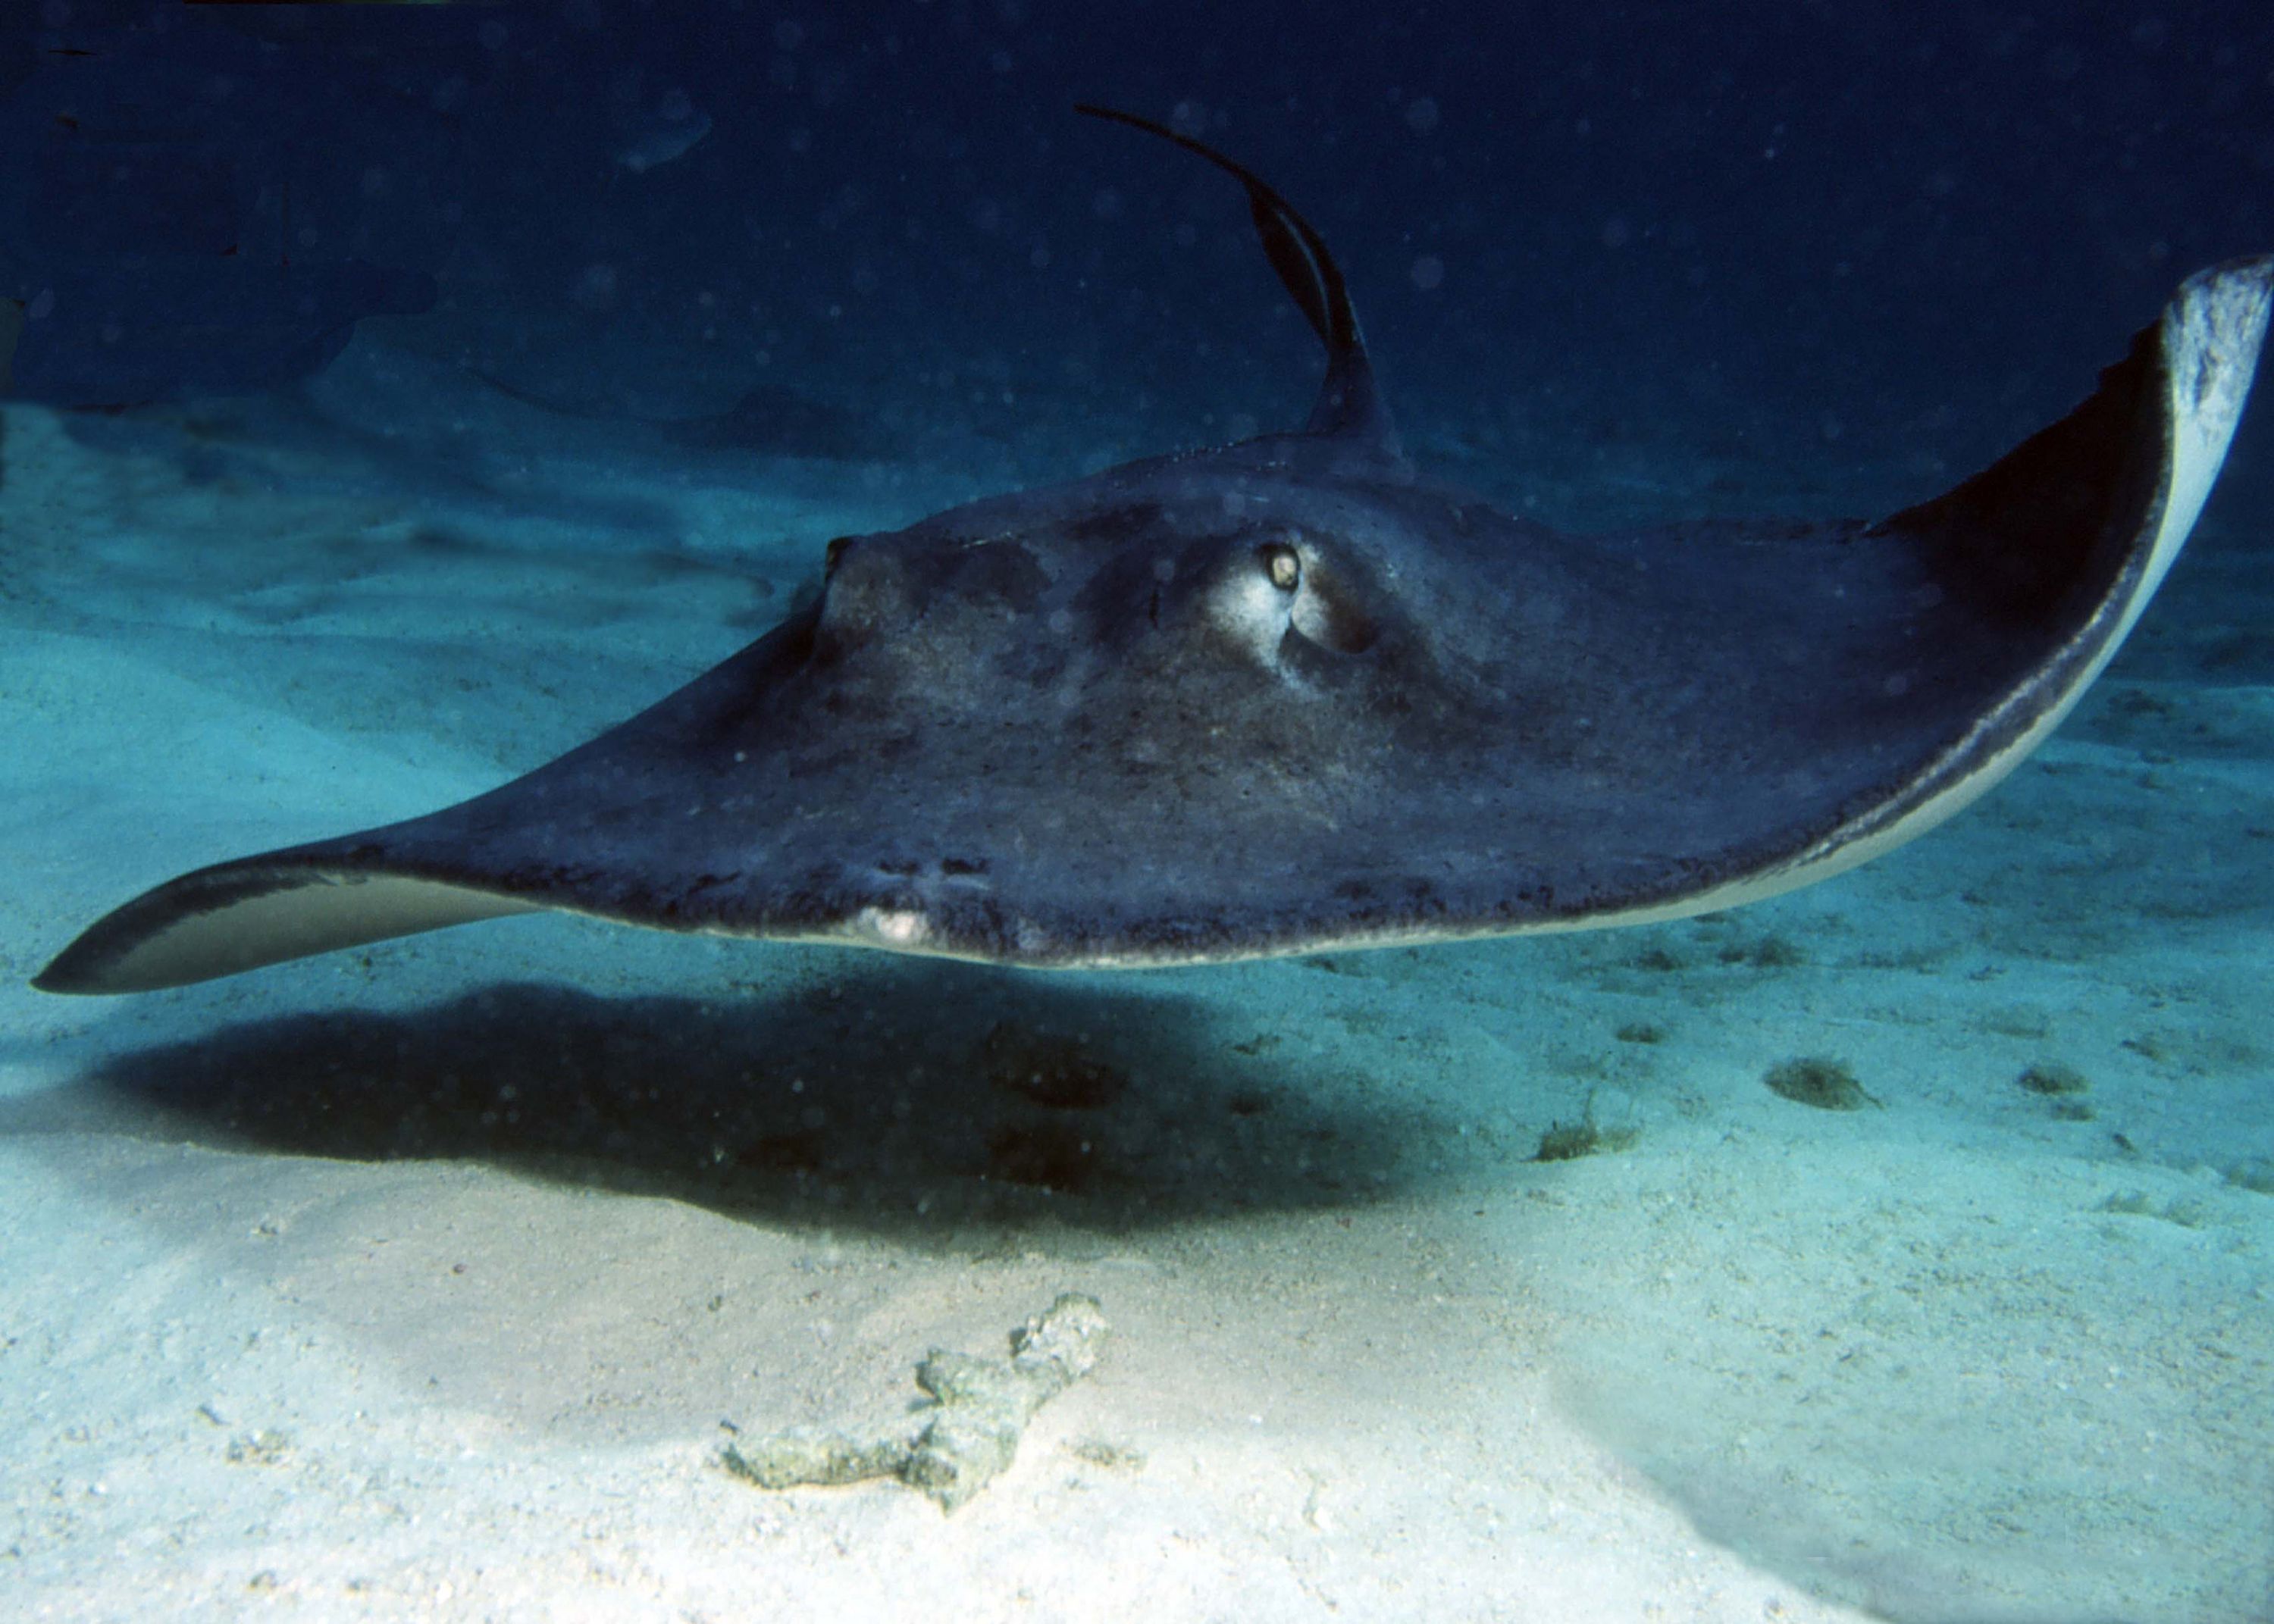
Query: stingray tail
{"points": [[1350, 401]]}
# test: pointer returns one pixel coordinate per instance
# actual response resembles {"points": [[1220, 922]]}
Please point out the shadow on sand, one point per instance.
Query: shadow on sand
{"points": [[905, 1099]]}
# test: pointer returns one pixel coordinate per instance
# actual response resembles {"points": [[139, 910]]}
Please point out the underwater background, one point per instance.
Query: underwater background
{"points": [[398, 394]]}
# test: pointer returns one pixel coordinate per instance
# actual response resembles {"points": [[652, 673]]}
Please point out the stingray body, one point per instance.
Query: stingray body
{"points": [[1288, 696]]}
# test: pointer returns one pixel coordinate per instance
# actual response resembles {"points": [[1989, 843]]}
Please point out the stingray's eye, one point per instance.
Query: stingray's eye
{"points": [[1282, 565]]}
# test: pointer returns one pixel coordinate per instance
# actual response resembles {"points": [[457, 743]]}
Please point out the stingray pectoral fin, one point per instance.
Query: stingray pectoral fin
{"points": [[2064, 539], [257, 910]]}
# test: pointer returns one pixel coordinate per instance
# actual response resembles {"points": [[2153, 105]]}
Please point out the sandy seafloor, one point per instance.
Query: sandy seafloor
{"points": [[419, 1282]]}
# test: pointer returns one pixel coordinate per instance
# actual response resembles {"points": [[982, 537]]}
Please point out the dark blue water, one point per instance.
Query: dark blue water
{"points": [[1616, 223]]}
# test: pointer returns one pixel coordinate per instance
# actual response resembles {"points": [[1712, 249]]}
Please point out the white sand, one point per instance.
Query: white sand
{"points": [[1951, 1358]]}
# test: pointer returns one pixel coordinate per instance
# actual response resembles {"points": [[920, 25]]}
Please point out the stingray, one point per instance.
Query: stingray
{"points": [[1288, 696]]}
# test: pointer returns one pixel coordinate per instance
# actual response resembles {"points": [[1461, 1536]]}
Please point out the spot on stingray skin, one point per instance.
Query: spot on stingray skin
{"points": [[894, 927]]}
